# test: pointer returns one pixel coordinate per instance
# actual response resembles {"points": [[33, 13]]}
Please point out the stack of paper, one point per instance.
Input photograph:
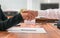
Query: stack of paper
{"points": [[27, 30], [29, 22]]}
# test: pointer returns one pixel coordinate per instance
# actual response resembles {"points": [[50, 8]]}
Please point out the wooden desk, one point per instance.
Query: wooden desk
{"points": [[52, 32], [48, 20], [9, 17]]}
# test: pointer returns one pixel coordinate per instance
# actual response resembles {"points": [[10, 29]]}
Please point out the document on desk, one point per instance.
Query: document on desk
{"points": [[29, 21], [27, 30]]}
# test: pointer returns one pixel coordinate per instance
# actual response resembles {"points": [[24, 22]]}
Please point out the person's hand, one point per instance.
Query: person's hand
{"points": [[29, 14]]}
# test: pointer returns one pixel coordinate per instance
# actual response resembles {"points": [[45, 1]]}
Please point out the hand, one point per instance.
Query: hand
{"points": [[29, 14]]}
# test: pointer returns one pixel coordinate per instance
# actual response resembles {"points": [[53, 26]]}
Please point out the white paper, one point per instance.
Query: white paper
{"points": [[29, 22], [27, 30]]}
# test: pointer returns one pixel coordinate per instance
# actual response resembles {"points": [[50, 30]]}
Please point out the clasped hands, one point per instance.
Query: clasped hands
{"points": [[29, 14]]}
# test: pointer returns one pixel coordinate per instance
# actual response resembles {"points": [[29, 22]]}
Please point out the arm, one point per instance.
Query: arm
{"points": [[27, 15], [10, 22], [2, 16]]}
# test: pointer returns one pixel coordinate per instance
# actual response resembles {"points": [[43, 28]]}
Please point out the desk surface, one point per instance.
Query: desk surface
{"points": [[52, 32], [48, 20]]}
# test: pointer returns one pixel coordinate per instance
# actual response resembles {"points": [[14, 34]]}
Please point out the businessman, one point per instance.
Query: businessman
{"points": [[7, 23]]}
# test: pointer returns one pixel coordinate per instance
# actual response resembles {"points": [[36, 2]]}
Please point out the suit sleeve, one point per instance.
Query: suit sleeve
{"points": [[10, 22], [58, 24], [2, 16]]}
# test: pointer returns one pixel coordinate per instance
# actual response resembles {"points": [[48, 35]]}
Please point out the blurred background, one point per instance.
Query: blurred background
{"points": [[25, 4]]}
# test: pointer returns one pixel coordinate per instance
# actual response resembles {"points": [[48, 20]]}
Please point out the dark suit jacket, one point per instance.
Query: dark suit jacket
{"points": [[7, 23], [58, 24]]}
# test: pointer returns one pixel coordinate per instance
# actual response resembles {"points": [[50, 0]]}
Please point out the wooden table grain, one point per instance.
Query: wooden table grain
{"points": [[52, 32]]}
